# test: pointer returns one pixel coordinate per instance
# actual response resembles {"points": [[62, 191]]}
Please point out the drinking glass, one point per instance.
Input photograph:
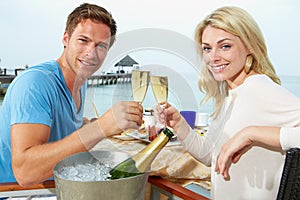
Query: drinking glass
{"points": [[159, 86], [139, 84]]}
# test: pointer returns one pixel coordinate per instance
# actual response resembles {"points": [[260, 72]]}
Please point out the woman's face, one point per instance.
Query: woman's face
{"points": [[225, 56]]}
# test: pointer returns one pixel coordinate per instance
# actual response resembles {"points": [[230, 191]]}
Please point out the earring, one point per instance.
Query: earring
{"points": [[248, 64]]}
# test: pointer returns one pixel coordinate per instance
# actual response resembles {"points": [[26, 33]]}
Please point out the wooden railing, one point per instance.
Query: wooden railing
{"points": [[163, 184], [175, 189], [5, 187]]}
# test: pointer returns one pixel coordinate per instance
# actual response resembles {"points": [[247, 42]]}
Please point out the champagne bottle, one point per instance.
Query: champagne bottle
{"points": [[141, 162]]}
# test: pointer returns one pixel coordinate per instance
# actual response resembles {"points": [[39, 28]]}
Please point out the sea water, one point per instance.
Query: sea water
{"points": [[292, 83], [101, 98], [104, 96]]}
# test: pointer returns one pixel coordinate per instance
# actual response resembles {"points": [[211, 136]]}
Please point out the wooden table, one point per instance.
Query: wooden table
{"points": [[172, 162]]}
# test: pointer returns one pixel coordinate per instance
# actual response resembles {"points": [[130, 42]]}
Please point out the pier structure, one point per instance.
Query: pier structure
{"points": [[95, 80], [108, 79], [4, 83], [6, 79]]}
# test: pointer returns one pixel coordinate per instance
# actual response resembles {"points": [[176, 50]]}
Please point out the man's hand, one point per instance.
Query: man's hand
{"points": [[123, 115]]}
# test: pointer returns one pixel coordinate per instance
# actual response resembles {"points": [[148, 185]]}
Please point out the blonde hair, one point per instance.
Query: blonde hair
{"points": [[238, 22]]}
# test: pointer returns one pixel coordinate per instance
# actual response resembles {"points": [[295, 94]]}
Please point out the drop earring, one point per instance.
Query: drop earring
{"points": [[248, 64]]}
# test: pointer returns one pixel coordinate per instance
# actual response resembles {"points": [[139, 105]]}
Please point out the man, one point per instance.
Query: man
{"points": [[42, 113]]}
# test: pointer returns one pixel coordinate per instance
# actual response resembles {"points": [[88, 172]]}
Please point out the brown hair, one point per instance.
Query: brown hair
{"points": [[93, 12]]}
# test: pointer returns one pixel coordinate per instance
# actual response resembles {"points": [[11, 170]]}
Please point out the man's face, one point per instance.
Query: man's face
{"points": [[86, 48]]}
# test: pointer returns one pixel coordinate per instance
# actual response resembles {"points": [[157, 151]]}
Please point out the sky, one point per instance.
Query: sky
{"points": [[31, 30]]}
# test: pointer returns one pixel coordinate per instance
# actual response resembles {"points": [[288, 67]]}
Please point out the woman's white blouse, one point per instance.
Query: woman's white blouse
{"points": [[258, 101]]}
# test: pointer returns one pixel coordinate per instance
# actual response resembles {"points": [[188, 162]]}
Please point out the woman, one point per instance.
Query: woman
{"points": [[251, 110]]}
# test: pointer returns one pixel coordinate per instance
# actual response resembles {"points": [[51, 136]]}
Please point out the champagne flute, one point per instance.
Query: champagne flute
{"points": [[139, 84], [159, 86]]}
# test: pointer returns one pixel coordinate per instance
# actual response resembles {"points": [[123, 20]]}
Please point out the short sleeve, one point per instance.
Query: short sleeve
{"points": [[32, 103]]}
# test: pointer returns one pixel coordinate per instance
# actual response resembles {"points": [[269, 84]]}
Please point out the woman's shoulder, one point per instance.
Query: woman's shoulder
{"points": [[258, 82], [264, 86], [258, 79]]}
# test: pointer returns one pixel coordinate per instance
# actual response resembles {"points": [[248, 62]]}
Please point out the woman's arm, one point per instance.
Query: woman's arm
{"points": [[250, 136], [198, 146]]}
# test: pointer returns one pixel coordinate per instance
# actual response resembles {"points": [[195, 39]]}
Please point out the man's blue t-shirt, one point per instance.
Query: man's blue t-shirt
{"points": [[40, 96]]}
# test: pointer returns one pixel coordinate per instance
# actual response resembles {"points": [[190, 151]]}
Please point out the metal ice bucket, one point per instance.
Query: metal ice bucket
{"points": [[132, 188]]}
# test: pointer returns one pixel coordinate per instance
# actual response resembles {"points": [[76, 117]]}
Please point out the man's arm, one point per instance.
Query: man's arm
{"points": [[33, 158]]}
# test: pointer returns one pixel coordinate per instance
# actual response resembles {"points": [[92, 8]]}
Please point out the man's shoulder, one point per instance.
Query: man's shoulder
{"points": [[46, 67], [44, 75], [42, 71]]}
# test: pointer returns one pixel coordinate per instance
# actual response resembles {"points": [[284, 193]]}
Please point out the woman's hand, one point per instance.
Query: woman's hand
{"points": [[231, 151], [172, 117]]}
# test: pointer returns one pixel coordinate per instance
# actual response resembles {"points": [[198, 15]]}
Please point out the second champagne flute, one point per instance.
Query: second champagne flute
{"points": [[159, 86]]}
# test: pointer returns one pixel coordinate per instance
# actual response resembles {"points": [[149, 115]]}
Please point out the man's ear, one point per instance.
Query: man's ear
{"points": [[65, 39]]}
